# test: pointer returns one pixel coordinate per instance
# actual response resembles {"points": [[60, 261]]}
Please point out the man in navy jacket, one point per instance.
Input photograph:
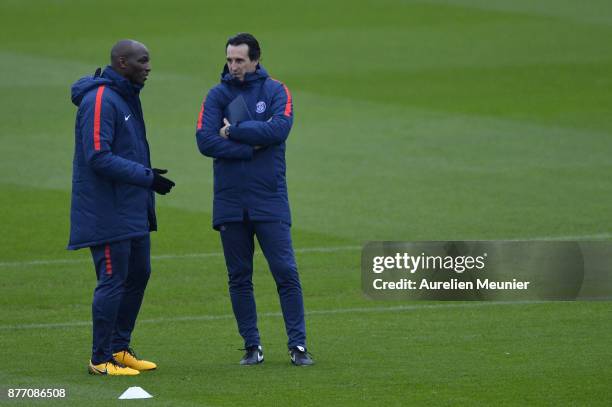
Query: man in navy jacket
{"points": [[250, 189], [113, 206]]}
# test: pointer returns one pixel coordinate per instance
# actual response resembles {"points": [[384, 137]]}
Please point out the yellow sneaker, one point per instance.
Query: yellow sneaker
{"points": [[129, 358], [111, 368]]}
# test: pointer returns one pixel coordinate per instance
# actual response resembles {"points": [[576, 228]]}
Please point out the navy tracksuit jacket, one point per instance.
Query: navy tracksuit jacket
{"points": [[113, 206], [250, 194], [246, 179], [111, 178]]}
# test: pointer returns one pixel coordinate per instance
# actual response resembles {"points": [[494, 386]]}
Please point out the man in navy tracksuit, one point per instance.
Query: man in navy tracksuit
{"points": [[113, 206], [250, 190]]}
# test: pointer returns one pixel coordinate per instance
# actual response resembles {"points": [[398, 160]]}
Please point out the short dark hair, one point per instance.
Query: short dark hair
{"points": [[250, 41]]}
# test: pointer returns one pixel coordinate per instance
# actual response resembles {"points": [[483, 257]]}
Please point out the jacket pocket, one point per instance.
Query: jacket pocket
{"points": [[263, 171], [227, 174]]}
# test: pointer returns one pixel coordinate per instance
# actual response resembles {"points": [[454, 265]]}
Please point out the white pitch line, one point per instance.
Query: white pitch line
{"points": [[360, 310], [170, 256], [597, 236]]}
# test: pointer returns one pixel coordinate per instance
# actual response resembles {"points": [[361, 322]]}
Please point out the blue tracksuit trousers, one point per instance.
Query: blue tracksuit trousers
{"points": [[275, 241], [123, 269]]}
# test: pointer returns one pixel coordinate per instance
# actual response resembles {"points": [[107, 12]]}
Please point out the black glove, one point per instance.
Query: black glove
{"points": [[161, 185]]}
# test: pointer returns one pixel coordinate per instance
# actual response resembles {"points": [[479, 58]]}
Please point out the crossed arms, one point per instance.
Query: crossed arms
{"points": [[245, 137]]}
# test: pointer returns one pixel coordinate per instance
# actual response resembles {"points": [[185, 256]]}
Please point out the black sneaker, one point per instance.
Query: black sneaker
{"points": [[253, 356], [300, 357]]}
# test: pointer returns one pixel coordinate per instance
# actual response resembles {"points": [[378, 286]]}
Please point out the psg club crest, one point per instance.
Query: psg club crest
{"points": [[260, 107]]}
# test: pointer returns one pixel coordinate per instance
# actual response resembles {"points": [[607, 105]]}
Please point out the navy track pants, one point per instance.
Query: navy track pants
{"points": [[123, 269], [275, 241]]}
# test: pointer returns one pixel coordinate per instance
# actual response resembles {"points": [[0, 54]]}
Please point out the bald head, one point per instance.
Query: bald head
{"points": [[131, 59], [125, 49]]}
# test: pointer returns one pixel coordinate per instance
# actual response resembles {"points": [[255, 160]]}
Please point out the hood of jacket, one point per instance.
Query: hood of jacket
{"points": [[109, 77], [249, 78]]}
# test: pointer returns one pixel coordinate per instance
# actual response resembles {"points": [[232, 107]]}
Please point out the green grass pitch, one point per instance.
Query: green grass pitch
{"points": [[414, 120]]}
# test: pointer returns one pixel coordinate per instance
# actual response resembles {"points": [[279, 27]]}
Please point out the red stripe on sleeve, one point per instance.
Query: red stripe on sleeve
{"points": [[109, 264], [201, 116], [288, 104], [97, 113]]}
